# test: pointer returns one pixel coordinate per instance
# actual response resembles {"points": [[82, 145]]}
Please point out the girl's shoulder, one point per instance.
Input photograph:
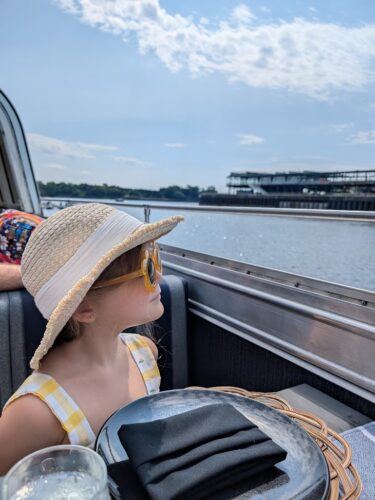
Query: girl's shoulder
{"points": [[43, 389], [32, 385], [26, 425], [30, 412]]}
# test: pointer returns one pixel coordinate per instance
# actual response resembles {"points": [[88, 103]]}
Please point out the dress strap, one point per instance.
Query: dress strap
{"points": [[65, 409], [144, 359]]}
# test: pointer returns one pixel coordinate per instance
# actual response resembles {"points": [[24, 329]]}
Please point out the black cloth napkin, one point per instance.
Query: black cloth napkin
{"points": [[197, 453], [126, 482]]}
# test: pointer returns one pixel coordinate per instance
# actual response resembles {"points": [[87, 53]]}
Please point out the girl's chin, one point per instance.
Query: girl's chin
{"points": [[157, 310]]}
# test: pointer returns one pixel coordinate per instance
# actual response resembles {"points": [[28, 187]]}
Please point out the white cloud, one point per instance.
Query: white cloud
{"points": [[242, 14], [96, 147], [130, 161], [249, 139], [87, 173], [175, 145], [55, 166], [341, 127], [306, 56], [69, 6], [58, 147], [363, 137]]}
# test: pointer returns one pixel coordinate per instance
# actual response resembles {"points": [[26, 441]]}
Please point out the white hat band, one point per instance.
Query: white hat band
{"points": [[109, 234]]}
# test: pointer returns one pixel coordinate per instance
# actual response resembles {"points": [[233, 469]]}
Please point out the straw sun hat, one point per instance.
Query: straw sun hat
{"points": [[68, 252]]}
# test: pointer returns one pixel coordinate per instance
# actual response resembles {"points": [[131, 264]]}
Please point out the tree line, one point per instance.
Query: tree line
{"points": [[170, 193]]}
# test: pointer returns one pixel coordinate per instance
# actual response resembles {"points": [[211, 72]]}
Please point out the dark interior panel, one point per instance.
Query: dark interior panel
{"points": [[218, 357]]}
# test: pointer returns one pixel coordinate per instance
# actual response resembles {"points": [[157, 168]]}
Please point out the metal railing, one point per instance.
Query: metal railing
{"points": [[352, 215]]}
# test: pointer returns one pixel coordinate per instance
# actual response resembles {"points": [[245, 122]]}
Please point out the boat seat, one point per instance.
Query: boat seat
{"points": [[22, 326], [170, 333], [337, 415]]}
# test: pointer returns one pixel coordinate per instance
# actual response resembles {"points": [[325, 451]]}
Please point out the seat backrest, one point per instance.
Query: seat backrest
{"points": [[170, 332], [22, 326]]}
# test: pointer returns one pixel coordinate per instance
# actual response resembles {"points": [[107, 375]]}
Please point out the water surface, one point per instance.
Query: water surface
{"points": [[333, 250]]}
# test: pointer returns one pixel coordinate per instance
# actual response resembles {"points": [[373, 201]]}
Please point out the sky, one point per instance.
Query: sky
{"points": [[152, 93]]}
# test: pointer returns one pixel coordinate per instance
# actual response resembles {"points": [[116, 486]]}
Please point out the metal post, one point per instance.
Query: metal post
{"points": [[147, 211]]}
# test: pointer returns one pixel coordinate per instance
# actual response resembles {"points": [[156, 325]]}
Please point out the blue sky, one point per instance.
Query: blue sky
{"points": [[149, 93]]}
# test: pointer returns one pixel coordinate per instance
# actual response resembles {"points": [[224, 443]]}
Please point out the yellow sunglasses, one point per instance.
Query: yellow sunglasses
{"points": [[150, 263]]}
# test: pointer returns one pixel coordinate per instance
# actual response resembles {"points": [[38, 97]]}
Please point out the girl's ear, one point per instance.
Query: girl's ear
{"points": [[84, 313]]}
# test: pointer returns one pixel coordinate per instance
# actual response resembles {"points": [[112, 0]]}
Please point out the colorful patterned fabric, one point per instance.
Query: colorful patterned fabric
{"points": [[15, 230], [71, 418]]}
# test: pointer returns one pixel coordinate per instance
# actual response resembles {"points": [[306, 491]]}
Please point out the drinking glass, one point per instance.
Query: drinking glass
{"points": [[69, 472]]}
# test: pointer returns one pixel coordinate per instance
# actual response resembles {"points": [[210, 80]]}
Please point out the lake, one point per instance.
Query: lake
{"points": [[338, 251]]}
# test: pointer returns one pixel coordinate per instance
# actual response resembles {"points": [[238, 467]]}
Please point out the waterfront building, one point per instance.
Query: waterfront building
{"points": [[351, 190]]}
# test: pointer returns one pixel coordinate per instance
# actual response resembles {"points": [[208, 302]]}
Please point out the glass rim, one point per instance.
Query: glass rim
{"points": [[51, 449]]}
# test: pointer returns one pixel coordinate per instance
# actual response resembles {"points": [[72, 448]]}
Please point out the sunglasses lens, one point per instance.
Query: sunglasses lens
{"points": [[151, 271]]}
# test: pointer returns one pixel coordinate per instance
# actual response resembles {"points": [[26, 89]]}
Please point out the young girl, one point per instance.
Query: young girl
{"points": [[94, 272]]}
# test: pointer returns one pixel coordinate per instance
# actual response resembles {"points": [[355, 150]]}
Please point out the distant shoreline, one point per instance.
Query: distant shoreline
{"points": [[117, 193], [123, 200]]}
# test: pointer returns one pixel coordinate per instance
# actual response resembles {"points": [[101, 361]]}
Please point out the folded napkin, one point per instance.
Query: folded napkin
{"points": [[197, 453], [126, 481]]}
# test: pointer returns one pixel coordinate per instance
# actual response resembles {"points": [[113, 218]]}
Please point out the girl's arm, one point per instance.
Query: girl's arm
{"points": [[26, 425], [10, 277]]}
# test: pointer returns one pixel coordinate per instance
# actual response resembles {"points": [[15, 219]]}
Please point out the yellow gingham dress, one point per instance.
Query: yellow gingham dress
{"points": [[72, 419]]}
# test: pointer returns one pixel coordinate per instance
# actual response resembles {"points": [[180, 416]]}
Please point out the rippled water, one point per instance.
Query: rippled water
{"points": [[332, 250]]}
